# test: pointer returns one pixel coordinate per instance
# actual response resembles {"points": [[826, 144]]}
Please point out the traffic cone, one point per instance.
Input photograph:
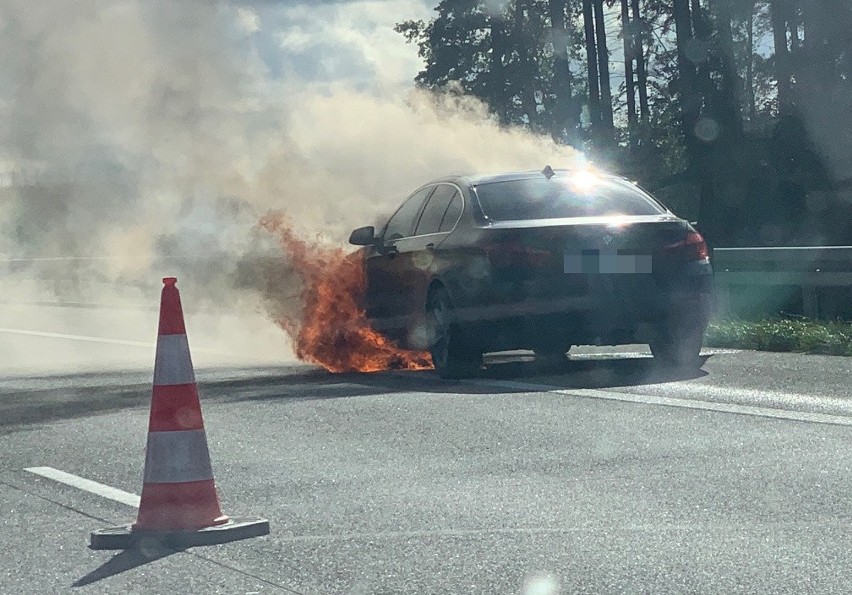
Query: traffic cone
{"points": [[179, 506]]}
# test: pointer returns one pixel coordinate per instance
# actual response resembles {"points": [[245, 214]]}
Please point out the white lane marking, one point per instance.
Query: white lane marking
{"points": [[751, 396], [17, 331], [56, 259], [87, 485], [821, 418], [86, 338]]}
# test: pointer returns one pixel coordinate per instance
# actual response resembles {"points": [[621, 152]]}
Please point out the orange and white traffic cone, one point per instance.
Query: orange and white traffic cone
{"points": [[179, 506]]}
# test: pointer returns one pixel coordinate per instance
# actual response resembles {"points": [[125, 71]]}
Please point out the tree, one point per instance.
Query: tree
{"points": [[639, 53], [693, 69], [629, 46], [567, 116], [603, 68], [592, 65], [777, 10], [496, 56], [728, 109], [752, 108]]}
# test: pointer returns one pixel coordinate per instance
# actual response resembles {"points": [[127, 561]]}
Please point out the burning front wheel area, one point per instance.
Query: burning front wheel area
{"points": [[454, 353]]}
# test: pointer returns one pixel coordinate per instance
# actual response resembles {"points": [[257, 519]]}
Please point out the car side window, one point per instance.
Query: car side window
{"points": [[401, 224], [433, 213], [453, 212]]}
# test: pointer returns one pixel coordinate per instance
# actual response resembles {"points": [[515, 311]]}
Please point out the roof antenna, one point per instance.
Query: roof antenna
{"points": [[548, 172]]}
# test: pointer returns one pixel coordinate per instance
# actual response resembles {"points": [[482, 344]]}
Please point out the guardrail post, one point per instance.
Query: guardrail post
{"points": [[722, 303], [810, 301]]}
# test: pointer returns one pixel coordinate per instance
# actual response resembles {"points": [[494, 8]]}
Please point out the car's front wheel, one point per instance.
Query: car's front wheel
{"points": [[679, 347], [552, 357], [454, 354]]}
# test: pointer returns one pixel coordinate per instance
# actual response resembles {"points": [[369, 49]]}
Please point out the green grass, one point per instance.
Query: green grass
{"points": [[781, 334]]}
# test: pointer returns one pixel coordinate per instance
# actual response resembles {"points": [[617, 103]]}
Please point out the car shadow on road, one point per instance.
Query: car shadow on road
{"points": [[294, 384], [124, 561], [524, 373]]}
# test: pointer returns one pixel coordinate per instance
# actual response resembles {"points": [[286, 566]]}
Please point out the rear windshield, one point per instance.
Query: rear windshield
{"points": [[576, 196]]}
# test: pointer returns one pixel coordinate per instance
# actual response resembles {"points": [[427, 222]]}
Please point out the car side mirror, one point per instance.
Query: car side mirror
{"points": [[363, 236]]}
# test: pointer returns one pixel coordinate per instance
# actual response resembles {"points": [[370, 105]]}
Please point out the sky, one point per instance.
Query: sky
{"points": [[343, 42]]}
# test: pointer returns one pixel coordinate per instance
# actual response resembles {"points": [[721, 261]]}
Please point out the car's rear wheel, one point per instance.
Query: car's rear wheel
{"points": [[680, 347], [454, 353]]}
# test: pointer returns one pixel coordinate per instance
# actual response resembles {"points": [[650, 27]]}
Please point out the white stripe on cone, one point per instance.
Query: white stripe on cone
{"points": [[173, 364], [177, 457]]}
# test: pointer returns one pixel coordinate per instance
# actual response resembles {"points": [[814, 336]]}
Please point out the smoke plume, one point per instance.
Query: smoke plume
{"points": [[144, 137]]}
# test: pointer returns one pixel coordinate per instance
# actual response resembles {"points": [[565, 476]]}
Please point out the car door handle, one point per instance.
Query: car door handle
{"points": [[391, 250], [430, 246]]}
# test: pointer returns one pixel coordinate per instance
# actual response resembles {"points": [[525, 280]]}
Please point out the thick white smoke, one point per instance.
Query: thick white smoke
{"points": [[147, 137], [143, 129]]}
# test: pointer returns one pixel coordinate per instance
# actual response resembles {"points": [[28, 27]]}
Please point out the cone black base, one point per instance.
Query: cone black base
{"points": [[125, 537]]}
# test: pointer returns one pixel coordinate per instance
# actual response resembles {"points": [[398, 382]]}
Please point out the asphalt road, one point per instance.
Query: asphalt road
{"points": [[604, 475]]}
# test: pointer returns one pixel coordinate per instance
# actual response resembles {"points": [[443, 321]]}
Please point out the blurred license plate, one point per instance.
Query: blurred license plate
{"points": [[606, 262]]}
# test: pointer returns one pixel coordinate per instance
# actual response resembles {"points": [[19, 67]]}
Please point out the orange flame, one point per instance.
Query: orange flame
{"points": [[332, 329]]}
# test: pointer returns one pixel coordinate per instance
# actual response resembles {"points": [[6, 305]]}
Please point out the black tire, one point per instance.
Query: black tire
{"points": [[550, 358], [454, 354], [680, 348]]}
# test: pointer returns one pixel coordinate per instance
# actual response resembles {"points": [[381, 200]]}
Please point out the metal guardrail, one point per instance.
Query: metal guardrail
{"points": [[807, 267]]}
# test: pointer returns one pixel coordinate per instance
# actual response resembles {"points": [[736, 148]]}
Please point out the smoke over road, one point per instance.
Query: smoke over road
{"points": [[144, 137]]}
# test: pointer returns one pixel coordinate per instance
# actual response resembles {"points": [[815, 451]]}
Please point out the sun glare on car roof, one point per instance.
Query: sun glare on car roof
{"points": [[583, 181]]}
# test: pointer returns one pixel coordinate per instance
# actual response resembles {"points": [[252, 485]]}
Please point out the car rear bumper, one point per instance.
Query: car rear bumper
{"points": [[586, 319]]}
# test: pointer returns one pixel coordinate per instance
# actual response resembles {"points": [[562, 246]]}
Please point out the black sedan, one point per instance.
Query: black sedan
{"points": [[536, 260]]}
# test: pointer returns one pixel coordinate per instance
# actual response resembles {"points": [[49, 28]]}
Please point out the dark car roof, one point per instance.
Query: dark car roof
{"points": [[477, 179]]}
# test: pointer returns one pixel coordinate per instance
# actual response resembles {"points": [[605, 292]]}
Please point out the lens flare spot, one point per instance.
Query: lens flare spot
{"points": [[422, 260], [479, 268], [541, 584], [188, 417], [707, 129]]}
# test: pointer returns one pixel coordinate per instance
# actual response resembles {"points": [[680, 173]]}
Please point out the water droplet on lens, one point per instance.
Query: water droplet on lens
{"points": [[707, 129]]}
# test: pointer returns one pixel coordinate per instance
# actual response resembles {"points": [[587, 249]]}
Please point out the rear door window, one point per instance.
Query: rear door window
{"points": [[401, 224], [584, 195], [436, 208], [453, 212]]}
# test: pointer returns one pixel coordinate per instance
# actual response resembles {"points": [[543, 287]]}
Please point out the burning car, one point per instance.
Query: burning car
{"points": [[535, 260]]}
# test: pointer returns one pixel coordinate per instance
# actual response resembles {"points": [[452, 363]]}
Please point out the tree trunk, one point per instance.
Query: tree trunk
{"points": [[498, 70], [629, 45], [562, 79], [639, 53], [793, 25], [699, 23], [592, 62], [730, 108], [522, 45], [698, 154], [686, 68], [603, 66], [752, 110], [827, 24], [782, 56]]}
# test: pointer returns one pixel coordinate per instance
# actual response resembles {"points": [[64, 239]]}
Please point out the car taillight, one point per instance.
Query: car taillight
{"points": [[514, 255], [693, 247]]}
